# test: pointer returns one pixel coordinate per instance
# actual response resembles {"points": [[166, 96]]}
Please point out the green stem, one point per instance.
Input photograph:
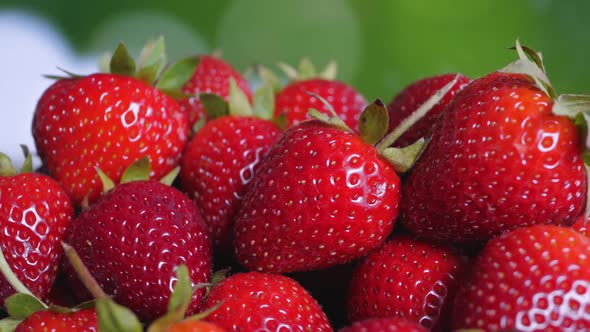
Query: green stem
{"points": [[82, 271]]}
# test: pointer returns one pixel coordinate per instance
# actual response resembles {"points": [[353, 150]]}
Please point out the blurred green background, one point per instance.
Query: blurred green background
{"points": [[380, 45]]}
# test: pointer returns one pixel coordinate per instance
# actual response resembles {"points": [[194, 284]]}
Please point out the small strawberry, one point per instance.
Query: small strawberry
{"points": [[77, 321], [394, 324], [221, 159], [211, 76], [34, 215], [414, 95], [500, 158], [109, 120], [530, 279], [254, 301], [294, 100], [132, 239], [406, 278]]}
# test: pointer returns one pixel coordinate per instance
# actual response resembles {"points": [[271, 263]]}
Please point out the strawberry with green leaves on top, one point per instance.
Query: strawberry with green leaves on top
{"points": [[109, 120], [222, 156], [35, 212], [212, 76], [504, 155], [324, 195], [294, 100]]}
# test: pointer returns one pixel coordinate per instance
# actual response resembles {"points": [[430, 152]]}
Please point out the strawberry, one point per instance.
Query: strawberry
{"points": [[254, 301], [394, 324], [212, 75], [35, 212], [219, 162], [530, 279], [194, 326], [132, 239], [78, 321], [414, 95], [109, 120], [500, 158], [406, 278]]}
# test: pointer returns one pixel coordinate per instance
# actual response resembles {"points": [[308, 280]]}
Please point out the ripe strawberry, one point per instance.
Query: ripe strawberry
{"points": [[132, 239], [530, 279], [212, 75], [414, 95], [218, 163], [84, 320], [34, 214], [406, 278], [194, 326], [499, 159], [322, 197], [254, 301], [393, 324], [294, 101], [108, 121], [582, 226]]}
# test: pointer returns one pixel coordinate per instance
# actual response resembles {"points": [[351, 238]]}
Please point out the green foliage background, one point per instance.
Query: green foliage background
{"points": [[381, 45]]}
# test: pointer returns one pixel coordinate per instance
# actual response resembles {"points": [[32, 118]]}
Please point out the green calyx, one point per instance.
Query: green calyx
{"points": [[139, 170], [307, 70], [8, 169]]}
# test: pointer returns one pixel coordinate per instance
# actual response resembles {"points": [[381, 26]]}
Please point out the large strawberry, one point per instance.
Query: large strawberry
{"points": [[323, 196], [34, 214], [414, 95], [47, 320], [221, 159], [212, 76], [407, 278], [390, 324], [530, 279], [500, 158], [294, 100], [132, 239], [254, 301], [109, 120]]}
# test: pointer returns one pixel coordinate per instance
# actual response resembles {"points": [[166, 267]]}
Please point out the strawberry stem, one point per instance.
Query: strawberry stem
{"points": [[415, 116], [83, 274]]}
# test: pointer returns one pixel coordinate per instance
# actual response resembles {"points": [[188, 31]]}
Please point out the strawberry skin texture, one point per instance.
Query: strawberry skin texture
{"points": [[194, 326], [321, 197], [212, 75], [394, 324], [34, 215], [254, 301], [416, 94], [406, 278], [49, 321], [582, 226], [132, 239], [217, 165], [530, 279], [294, 101], [498, 159], [106, 121]]}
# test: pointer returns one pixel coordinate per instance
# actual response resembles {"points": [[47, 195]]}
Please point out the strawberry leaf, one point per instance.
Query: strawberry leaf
{"points": [[169, 178], [289, 71], [281, 121], [269, 78], [238, 102], [179, 302], [107, 183], [28, 164], [6, 167], [9, 324], [330, 120], [264, 102], [374, 122], [113, 317], [306, 69], [152, 60], [330, 71], [173, 79], [21, 306], [198, 125], [122, 62], [214, 105], [402, 159], [138, 171]]}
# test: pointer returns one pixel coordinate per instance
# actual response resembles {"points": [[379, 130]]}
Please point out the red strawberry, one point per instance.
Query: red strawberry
{"points": [[322, 197], [107, 121], [34, 215], [78, 321], [294, 101], [394, 324], [212, 75], [582, 226], [132, 239], [530, 279], [414, 95], [256, 301], [194, 326], [406, 278], [499, 159], [218, 163]]}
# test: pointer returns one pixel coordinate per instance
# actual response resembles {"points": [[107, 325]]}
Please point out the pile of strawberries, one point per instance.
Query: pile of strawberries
{"points": [[186, 197]]}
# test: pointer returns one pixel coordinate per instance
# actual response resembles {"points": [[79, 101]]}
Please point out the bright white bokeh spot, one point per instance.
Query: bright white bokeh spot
{"points": [[36, 48]]}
